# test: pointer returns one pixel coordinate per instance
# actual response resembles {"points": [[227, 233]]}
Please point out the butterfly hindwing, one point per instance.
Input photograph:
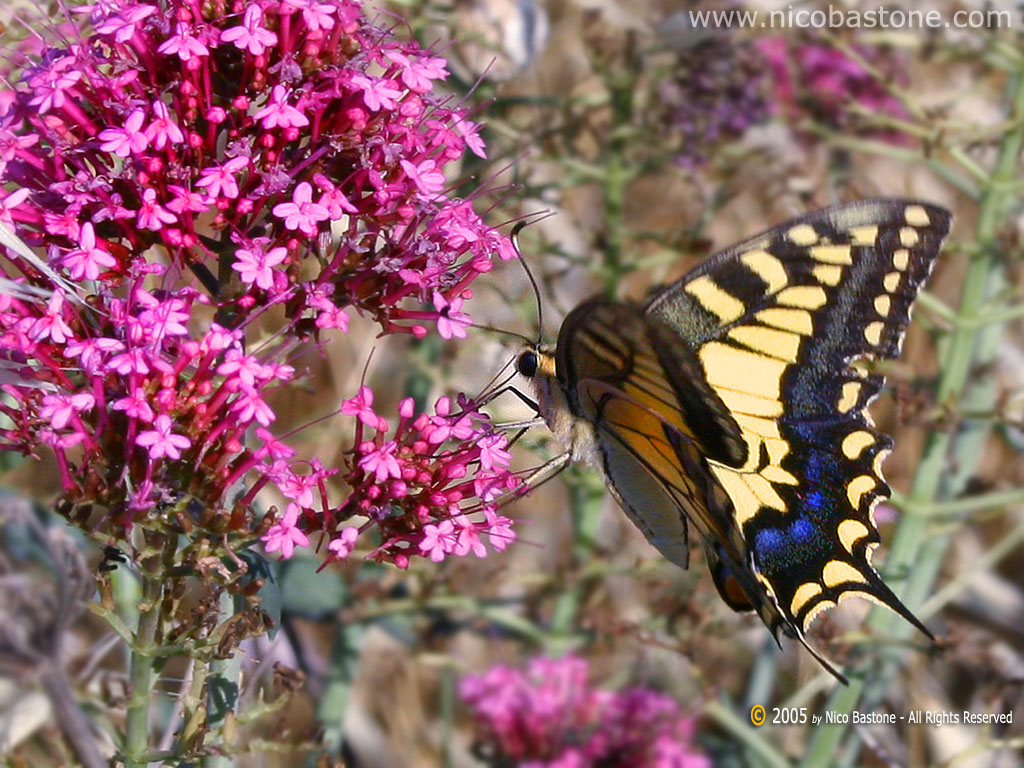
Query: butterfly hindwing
{"points": [[775, 322], [655, 421]]}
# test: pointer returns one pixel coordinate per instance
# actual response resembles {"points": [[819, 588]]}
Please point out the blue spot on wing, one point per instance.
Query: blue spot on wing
{"points": [[802, 530], [783, 546]]}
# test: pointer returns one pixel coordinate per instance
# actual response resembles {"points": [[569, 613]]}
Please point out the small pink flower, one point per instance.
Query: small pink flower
{"points": [[161, 441], [256, 267], [60, 408], [10, 202], [220, 180], [123, 25], [278, 113], [343, 545], [302, 213], [330, 315], [135, 405], [362, 406], [127, 140], [317, 16], [333, 199], [92, 351], [162, 130], [187, 200], [284, 535], [438, 540], [418, 73], [468, 538], [492, 451], [251, 36], [86, 262], [381, 461], [184, 44], [428, 180], [248, 406], [51, 325], [452, 323], [377, 92], [152, 215], [499, 530]]}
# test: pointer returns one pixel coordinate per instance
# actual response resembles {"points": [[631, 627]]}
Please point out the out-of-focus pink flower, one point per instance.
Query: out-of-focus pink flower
{"points": [[814, 79], [549, 716]]}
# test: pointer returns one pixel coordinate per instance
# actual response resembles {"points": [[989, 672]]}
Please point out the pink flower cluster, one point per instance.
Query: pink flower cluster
{"points": [[549, 717], [429, 488], [183, 176], [816, 79]]}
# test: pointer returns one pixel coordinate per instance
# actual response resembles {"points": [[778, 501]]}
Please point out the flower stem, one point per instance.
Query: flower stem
{"points": [[136, 743], [338, 684], [222, 694]]}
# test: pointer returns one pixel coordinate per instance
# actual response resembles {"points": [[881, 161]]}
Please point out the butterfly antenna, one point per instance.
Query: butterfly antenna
{"points": [[503, 332], [514, 237]]}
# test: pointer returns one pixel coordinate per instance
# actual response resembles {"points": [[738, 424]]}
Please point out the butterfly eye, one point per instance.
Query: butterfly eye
{"points": [[527, 364]]}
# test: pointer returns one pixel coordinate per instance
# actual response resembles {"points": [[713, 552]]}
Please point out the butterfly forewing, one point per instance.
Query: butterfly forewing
{"points": [[775, 322]]}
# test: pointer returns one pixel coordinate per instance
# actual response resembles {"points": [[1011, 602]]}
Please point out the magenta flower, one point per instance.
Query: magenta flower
{"points": [[162, 131], [438, 540], [362, 406], [161, 441], [126, 140], [342, 546], [124, 25], [431, 472], [59, 409], [418, 74], [86, 263], [256, 267], [51, 325], [300, 150], [380, 460], [377, 92], [302, 213], [549, 716], [134, 404], [251, 36], [284, 536], [815, 79], [451, 322], [429, 181], [279, 114], [220, 180], [183, 44], [152, 215]]}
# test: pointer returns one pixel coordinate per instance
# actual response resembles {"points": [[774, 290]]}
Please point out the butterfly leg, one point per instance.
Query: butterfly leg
{"points": [[536, 478]]}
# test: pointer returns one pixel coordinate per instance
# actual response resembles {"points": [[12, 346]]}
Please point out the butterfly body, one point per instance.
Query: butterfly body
{"points": [[729, 402]]}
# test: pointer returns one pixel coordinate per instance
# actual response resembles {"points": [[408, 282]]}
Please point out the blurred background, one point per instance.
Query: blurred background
{"points": [[642, 142]]}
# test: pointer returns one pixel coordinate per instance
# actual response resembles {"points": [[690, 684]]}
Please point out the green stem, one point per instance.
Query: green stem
{"points": [[1005, 546], [993, 500], [616, 178], [222, 692], [338, 684], [746, 734], [915, 555], [587, 500], [140, 674]]}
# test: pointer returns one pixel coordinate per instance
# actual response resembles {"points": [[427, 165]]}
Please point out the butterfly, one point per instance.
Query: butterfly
{"points": [[732, 402]]}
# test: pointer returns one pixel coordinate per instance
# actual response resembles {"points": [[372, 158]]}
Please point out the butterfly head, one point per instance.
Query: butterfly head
{"points": [[536, 361], [538, 364]]}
